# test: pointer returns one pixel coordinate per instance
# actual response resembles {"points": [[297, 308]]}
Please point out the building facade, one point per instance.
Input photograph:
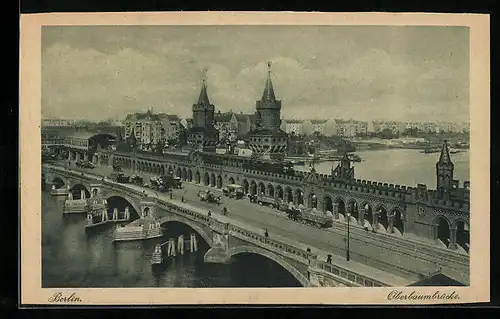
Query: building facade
{"points": [[292, 126], [228, 130], [319, 126], [396, 128], [350, 128], [147, 128], [172, 126]]}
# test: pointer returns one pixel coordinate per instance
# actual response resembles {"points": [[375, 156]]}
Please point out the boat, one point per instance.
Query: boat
{"points": [[157, 257], [430, 150], [355, 158]]}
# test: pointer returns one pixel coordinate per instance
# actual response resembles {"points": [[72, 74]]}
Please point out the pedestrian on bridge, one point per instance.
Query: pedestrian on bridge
{"points": [[329, 258], [209, 213], [266, 233]]}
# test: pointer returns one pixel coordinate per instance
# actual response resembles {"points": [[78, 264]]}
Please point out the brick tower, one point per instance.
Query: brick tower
{"points": [[267, 139], [203, 136], [444, 172]]}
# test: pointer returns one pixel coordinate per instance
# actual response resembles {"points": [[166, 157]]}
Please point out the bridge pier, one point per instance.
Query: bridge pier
{"points": [[180, 244], [193, 244], [219, 252]]}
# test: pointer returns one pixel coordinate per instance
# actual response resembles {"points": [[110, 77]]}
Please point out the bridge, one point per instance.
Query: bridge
{"points": [[401, 211], [377, 259]]}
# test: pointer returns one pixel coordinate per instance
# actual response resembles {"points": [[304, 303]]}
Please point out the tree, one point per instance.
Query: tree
{"points": [[386, 134]]}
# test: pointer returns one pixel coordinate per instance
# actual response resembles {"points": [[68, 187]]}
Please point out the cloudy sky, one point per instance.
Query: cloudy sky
{"points": [[358, 72]]}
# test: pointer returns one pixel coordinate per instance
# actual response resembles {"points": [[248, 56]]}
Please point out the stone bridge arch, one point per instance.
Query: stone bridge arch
{"points": [[58, 182], [77, 186], [202, 231], [129, 202], [52, 178], [244, 249], [134, 202]]}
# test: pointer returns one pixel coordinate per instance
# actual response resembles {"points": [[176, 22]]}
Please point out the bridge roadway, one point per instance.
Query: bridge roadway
{"points": [[257, 218]]}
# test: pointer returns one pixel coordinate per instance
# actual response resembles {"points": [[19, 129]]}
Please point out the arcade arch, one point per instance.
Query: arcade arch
{"points": [[302, 280], [442, 230], [270, 190]]}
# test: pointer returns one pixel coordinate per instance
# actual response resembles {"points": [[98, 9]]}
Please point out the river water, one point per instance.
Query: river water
{"points": [[73, 257], [401, 166]]}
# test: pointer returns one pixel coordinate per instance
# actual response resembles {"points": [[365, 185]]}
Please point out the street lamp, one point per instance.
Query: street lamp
{"points": [[348, 224]]}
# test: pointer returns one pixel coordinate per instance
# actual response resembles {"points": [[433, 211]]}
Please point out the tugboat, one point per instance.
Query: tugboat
{"points": [[430, 150], [157, 257]]}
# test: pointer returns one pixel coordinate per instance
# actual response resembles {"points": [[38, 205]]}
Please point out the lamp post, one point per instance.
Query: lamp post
{"points": [[348, 224], [391, 219], [170, 172]]}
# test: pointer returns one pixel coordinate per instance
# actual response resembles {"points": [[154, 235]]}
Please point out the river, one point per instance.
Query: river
{"points": [[72, 257], [400, 166]]}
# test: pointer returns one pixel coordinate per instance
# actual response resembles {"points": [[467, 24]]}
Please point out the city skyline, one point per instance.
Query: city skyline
{"points": [[368, 73]]}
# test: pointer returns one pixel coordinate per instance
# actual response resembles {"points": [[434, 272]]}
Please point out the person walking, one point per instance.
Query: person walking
{"points": [[266, 233]]}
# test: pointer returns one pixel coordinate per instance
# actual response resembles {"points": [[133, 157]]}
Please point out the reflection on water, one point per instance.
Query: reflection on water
{"points": [[73, 257]]}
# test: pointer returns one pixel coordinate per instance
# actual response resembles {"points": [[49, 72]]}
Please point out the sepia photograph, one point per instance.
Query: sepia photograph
{"points": [[256, 156]]}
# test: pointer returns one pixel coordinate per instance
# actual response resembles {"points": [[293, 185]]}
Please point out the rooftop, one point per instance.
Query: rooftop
{"points": [[319, 121], [437, 280]]}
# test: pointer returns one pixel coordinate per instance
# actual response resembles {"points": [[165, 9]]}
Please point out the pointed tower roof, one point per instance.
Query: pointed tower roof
{"points": [[444, 158], [203, 99], [268, 94]]}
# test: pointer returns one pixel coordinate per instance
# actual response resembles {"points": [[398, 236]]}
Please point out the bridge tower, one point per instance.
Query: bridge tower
{"points": [[343, 170], [444, 172], [203, 136], [267, 139]]}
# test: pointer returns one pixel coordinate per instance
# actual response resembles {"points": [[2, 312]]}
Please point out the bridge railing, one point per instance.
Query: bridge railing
{"points": [[185, 212], [275, 245], [272, 244], [349, 275]]}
